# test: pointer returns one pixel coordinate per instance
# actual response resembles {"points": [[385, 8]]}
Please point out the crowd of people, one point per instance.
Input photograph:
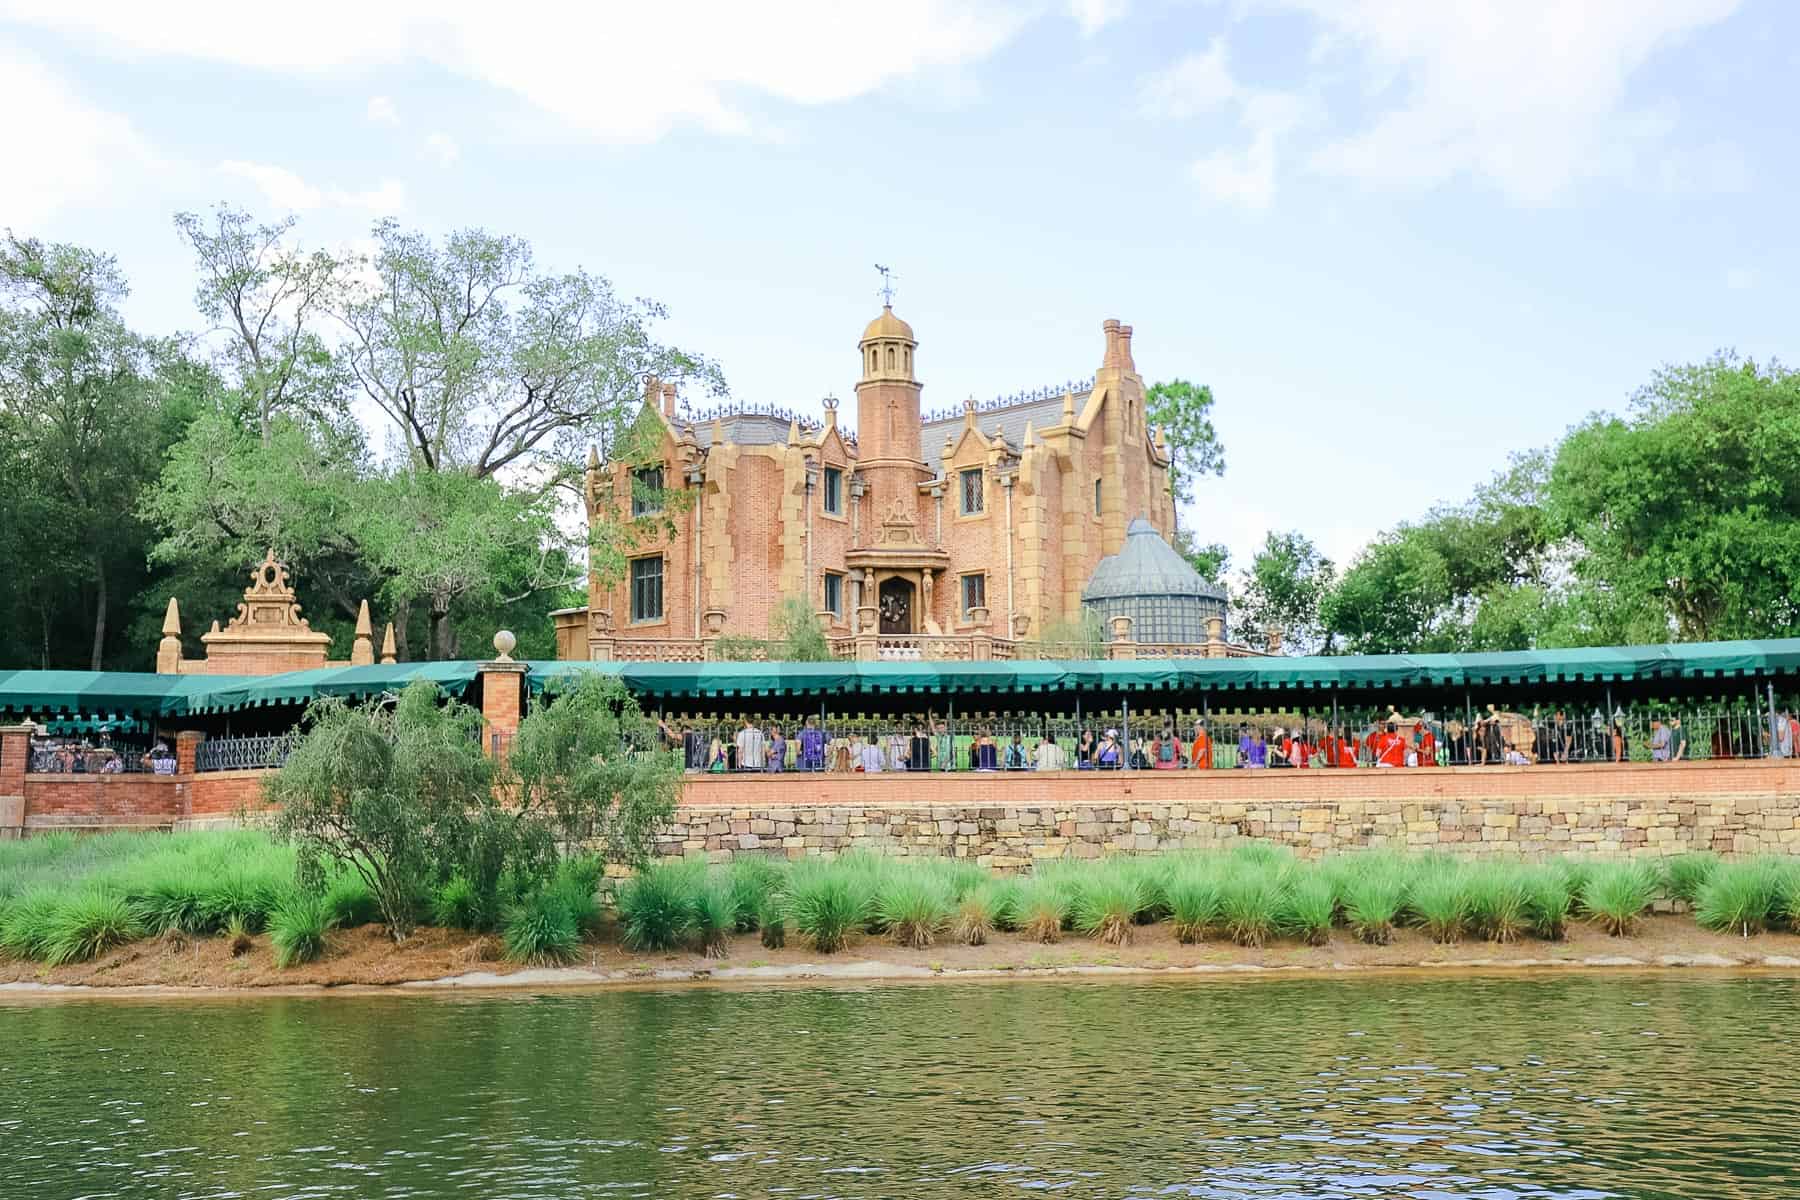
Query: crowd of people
{"points": [[81, 756], [1390, 741]]}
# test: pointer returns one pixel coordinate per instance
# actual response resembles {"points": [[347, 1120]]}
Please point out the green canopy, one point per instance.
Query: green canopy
{"points": [[351, 683], [104, 695]]}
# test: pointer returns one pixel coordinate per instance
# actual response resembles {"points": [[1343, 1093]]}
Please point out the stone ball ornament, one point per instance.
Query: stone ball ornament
{"points": [[504, 641]]}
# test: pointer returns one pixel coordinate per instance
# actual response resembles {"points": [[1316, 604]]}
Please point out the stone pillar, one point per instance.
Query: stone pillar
{"points": [[868, 647], [502, 703], [1215, 637], [1121, 647], [15, 751], [600, 649]]}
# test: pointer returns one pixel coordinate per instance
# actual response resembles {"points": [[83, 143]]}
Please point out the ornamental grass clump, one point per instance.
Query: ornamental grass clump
{"points": [[991, 906], [25, 923], [542, 929], [174, 906], [827, 903], [1617, 893], [914, 905], [1439, 901], [1373, 895], [752, 881], [1547, 902], [1252, 898], [1194, 900], [1497, 905], [455, 905], [88, 924], [1150, 874], [1686, 874], [771, 920], [714, 916], [1043, 907], [1310, 908], [1107, 903], [1740, 897], [656, 906], [1003, 897], [297, 927]]}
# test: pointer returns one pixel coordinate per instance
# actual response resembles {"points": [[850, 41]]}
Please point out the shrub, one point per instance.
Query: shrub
{"points": [[1440, 902], [88, 924], [175, 905], [541, 929], [1251, 902], [1616, 894], [1576, 872], [656, 906], [349, 901], [1547, 902], [973, 919], [714, 916], [577, 882], [771, 916], [1194, 899], [914, 904], [1685, 874], [1311, 906], [1043, 906], [1740, 897], [753, 880], [1373, 897], [1498, 907], [1108, 901], [454, 904], [297, 927], [25, 923], [826, 902], [244, 895], [1003, 898]]}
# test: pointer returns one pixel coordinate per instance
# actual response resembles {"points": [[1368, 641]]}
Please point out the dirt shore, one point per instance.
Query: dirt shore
{"points": [[435, 959]]}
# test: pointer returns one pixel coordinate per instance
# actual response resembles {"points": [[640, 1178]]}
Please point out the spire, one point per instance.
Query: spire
{"points": [[172, 620], [362, 650], [593, 458], [1068, 416], [168, 651], [387, 644]]}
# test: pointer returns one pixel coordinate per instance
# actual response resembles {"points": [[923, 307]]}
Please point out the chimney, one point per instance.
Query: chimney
{"points": [[1125, 348], [652, 389], [1110, 327], [668, 400]]}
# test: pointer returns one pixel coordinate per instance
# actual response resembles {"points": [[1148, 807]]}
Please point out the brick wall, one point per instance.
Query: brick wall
{"points": [[1740, 808], [223, 793], [101, 801]]}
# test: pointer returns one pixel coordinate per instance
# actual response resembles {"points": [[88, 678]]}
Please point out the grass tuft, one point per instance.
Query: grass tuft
{"points": [[88, 924], [914, 905], [1108, 900], [1251, 901], [297, 927], [714, 916], [1311, 907], [753, 881], [656, 906], [541, 928], [1043, 907], [1616, 895], [827, 903], [1685, 874], [1740, 897], [1374, 894]]}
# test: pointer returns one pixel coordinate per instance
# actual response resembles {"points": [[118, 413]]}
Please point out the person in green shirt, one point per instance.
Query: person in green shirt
{"points": [[1678, 740]]}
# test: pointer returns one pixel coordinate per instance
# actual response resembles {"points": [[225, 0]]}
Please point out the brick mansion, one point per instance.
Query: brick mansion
{"points": [[941, 535]]}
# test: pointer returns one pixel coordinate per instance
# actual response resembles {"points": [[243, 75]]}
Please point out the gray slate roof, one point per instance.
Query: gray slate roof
{"points": [[1012, 420], [1147, 566], [743, 429]]}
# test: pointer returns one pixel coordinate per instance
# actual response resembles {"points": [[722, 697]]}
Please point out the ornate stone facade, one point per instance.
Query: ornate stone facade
{"points": [[986, 523]]}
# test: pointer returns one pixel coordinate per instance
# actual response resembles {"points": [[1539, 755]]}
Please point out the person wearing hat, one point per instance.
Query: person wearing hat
{"points": [[1107, 757]]}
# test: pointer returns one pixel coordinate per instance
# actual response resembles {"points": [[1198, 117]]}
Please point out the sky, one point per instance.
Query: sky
{"points": [[1399, 239]]}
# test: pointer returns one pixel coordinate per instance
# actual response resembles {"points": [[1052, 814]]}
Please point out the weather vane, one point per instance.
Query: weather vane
{"points": [[887, 286]]}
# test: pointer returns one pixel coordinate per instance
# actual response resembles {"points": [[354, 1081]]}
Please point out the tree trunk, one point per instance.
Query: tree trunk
{"points": [[99, 612], [402, 618], [440, 629]]}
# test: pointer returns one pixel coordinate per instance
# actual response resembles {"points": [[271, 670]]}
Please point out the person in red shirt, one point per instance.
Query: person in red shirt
{"points": [[1427, 746], [1390, 748]]}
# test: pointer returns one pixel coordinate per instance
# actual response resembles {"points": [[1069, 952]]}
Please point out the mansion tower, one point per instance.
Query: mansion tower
{"points": [[991, 520]]}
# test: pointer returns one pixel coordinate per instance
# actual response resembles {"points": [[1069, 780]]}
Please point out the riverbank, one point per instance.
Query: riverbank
{"points": [[364, 957]]}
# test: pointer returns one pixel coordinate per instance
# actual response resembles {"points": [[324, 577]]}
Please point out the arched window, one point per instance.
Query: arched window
{"points": [[909, 361], [890, 358]]}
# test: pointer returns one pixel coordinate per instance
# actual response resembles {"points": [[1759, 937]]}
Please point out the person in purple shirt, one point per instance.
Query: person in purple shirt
{"points": [[1258, 754], [812, 747], [777, 750]]}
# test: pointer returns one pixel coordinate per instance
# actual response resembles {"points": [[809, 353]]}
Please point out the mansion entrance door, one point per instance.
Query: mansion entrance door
{"points": [[895, 604]]}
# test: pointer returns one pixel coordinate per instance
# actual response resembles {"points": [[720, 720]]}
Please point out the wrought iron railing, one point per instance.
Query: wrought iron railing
{"points": [[80, 759], [244, 753]]}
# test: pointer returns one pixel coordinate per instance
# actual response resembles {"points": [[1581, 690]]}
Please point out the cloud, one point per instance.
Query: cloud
{"points": [[1526, 95], [382, 111], [1095, 15], [442, 149], [1243, 177], [67, 152], [288, 191], [600, 73], [1198, 83]]}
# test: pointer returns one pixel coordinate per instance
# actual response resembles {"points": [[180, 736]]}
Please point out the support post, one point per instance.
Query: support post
{"points": [[1125, 727]]}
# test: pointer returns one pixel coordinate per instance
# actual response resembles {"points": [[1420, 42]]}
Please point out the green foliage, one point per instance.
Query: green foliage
{"points": [[1252, 899], [88, 924], [1310, 908], [656, 906], [297, 927], [826, 903], [1685, 874], [1740, 897], [1108, 899], [714, 914], [1195, 895], [401, 796], [1498, 899], [771, 917], [541, 928], [25, 922], [914, 906], [753, 881], [1002, 897], [1282, 589], [175, 906], [1043, 908], [1374, 892], [1617, 893], [583, 772], [1547, 902], [454, 905], [1184, 412]]}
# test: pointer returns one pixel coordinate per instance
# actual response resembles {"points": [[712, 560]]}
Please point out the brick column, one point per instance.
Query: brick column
{"points": [[187, 753], [15, 751], [502, 704]]}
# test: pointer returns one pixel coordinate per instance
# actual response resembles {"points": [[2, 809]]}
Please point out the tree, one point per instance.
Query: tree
{"points": [[795, 635], [1283, 587], [75, 401], [400, 793], [1211, 560], [1184, 411], [266, 298], [1690, 504], [584, 768]]}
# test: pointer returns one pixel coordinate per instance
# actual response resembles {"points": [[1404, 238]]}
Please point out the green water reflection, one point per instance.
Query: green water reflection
{"points": [[1598, 1086]]}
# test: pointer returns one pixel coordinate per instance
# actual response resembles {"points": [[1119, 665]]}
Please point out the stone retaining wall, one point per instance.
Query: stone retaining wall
{"points": [[1010, 821]]}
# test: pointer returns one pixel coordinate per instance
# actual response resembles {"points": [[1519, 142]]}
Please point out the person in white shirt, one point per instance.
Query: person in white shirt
{"points": [[749, 747], [1049, 756], [873, 759]]}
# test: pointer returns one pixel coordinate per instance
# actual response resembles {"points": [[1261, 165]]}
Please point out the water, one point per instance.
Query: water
{"points": [[1643, 1086]]}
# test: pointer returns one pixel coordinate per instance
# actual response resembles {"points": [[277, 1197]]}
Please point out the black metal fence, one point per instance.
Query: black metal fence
{"points": [[244, 753], [71, 757]]}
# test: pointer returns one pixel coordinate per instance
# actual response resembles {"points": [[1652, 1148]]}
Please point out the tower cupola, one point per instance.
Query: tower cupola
{"points": [[887, 348]]}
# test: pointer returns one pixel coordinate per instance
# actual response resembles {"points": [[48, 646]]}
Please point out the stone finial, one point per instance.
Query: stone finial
{"points": [[1068, 413], [168, 651], [387, 645], [362, 650], [1030, 438], [593, 461], [504, 641], [793, 432]]}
